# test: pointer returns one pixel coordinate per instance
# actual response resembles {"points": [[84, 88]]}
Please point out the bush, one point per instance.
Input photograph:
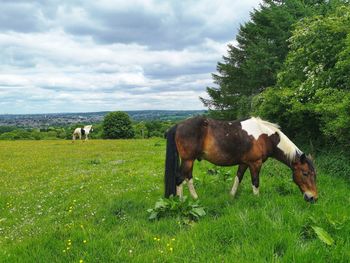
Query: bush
{"points": [[117, 125], [323, 117], [184, 209], [285, 107]]}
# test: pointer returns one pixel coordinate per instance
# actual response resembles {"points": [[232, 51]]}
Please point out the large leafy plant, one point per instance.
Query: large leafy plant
{"points": [[312, 229], [185, 209]]}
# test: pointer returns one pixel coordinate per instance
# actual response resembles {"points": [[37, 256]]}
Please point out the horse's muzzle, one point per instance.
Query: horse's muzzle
{"points": [[311, 199]]}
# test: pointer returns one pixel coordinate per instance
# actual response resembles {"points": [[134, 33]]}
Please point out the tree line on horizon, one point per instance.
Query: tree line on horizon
{"points": [[115, 125], [291, 66]]}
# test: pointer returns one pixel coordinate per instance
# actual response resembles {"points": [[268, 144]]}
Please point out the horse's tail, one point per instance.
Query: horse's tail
{"points": [[171, 163]]}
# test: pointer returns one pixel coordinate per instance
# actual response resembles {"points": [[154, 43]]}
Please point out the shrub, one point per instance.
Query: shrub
{"points": [[117, 125], [183, 209]]}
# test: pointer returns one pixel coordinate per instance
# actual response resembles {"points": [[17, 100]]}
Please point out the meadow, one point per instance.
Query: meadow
{"points": [[87, 202]]}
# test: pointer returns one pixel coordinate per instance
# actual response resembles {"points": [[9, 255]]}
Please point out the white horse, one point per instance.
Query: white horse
{"points": [[81, 132]]}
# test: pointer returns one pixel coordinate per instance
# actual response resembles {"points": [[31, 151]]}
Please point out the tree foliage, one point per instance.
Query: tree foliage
{"points": [[252, 64], [313, 89], [319, 55], [297, 77], [117, 125]]}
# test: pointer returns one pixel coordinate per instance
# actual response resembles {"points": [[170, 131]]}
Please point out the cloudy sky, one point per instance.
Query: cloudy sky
{"points": [[84, 56]]}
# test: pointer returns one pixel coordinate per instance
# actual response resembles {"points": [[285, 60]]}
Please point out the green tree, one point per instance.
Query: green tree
{"points": [[252, 65], [117, 125], [312, 97], [319, 55], [140, 130]]}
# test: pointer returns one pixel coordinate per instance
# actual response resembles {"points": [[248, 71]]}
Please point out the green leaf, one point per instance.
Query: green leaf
{"points": [[154, 215], [160, 204], [323, 235], [199, 211]]}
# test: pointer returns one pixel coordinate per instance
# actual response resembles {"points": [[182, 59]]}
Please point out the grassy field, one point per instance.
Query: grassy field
{"points": [[87, 202]]}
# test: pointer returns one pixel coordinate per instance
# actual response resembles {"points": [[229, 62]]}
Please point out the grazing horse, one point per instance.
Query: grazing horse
{"points": [[247, 143], [82, 132]]}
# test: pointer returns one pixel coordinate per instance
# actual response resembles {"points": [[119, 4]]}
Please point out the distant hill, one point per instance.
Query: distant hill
{"points": [[63, 119]]}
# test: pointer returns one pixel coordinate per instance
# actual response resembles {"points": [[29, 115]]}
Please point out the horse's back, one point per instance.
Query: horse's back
{"points": [[225, 142], [220, 142]]}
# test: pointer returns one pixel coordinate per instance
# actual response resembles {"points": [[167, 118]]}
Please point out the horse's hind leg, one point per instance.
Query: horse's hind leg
{"points": [[191, 188], [186, 173], [238, 179]]}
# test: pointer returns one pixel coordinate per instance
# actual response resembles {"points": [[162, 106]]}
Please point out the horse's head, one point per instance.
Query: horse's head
{"points": [[304, 175]]}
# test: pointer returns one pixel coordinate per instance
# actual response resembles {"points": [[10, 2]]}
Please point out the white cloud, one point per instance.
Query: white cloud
{"points": [[57, 69]]}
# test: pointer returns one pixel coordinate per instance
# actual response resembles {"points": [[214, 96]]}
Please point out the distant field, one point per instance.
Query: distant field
{"points": [[87, 202]]}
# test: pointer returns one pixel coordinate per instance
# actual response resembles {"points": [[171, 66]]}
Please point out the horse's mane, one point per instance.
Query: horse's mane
{"points": [[286, 145], [87, 126]]}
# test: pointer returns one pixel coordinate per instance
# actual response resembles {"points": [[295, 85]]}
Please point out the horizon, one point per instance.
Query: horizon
{"points": [[90, 112], [71, 56]]}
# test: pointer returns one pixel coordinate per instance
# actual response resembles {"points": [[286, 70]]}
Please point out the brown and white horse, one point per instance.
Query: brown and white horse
{"points": [[247, 143]]}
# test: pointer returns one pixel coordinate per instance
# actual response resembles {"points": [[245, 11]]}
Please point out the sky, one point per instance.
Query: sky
{"points": [[88, 55]]}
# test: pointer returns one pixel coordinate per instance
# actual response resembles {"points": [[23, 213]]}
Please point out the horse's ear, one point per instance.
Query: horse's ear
{"points": [[310, 157], [303, 158]]}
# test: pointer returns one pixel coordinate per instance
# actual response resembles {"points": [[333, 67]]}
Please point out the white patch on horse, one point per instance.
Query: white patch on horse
{"points": [[235, 186], [253, 127], [255, 190], [191, 188], [288, 147], [179, 190], [256, 127]]}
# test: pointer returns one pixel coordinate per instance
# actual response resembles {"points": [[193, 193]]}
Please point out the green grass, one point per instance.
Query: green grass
{"points": [[64, 202]]}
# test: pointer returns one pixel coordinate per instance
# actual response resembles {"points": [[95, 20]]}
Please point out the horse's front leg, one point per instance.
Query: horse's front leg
{"points": [[238, 179], [254, 172]]}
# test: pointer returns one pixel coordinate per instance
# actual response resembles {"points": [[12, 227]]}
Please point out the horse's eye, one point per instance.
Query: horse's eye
{"points": [[305, 173]]}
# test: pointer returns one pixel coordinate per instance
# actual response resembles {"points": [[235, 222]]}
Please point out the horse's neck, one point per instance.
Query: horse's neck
{"points": [[285, 150], [280, 156], [87, 130]]}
